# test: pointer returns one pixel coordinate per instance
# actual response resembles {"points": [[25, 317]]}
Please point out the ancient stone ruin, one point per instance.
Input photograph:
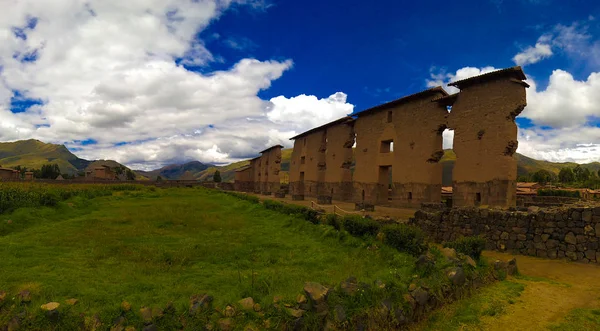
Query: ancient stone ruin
{"points": [[397, 147], [262, 175]]}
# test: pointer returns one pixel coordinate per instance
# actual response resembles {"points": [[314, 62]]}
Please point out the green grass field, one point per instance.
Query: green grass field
{"points": [[152, 247]]}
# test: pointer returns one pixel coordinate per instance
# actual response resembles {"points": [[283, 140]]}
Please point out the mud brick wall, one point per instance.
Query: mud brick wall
{"points": [[414, 124], [559, 233]]}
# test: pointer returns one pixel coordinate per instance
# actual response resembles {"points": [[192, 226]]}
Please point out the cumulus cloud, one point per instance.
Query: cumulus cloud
{"points": [[573, 40], [443, 78], [564, 116], [112, 71], [533, 54]]}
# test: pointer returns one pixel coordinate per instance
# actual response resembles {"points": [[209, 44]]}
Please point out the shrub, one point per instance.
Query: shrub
{"points": [[243, 196], [472, 246], [558, 193], [358, 226], [333, 220], [304, 212], [405, 238]]}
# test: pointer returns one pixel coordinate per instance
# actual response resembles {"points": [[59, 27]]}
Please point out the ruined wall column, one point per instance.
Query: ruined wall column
{"points": [[485, 138]]}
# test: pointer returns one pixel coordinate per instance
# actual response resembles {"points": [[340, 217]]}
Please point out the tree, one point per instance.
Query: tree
{"points": [[581, 174], [543, 176], [566, 175], [130, 174], [119, 170], [49, 171], [158, 178], [217, 177]]}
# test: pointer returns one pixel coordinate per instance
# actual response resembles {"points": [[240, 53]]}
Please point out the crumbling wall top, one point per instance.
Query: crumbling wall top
{"points": [[513, 72]]}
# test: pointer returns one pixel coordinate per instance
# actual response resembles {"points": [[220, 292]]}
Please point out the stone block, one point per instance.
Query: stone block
{"points": [[324, 200]]}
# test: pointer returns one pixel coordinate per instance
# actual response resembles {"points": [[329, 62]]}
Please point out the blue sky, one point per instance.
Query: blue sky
{"points": [[376, 53], [170, 81]]}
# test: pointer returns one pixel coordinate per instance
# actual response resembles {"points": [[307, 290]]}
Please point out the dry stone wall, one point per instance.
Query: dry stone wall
{"points": [[561, 233]]}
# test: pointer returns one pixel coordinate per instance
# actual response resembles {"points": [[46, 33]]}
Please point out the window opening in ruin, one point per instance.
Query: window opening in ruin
{"points": [[447, 139], [363, 196], [303, 160], [477, 199], [389, 116], [386, 146], [392, 146], [409, 196], [355, 137]]}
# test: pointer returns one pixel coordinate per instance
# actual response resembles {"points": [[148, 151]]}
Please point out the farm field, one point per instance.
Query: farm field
{"points": [[152, 247]]}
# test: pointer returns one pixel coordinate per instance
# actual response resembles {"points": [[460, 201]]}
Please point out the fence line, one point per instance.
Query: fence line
{"points": [[362, 212]]}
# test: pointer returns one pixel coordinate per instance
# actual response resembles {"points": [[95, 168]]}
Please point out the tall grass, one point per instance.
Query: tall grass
{"points": [[22, 195]]}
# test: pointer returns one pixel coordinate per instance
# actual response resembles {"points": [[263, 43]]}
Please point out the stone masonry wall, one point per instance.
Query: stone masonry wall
{"points": [[572, 233]]}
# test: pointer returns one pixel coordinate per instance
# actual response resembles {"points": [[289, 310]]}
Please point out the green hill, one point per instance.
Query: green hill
{"points": [[32, 154]]}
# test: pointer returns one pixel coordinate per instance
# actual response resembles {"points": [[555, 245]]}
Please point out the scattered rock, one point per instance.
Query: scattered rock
{"points": [[150, 327], [146, 314], [512, 269], [469, 260], [229, 311], [200, 302], [349, 286], [295, 312], [277, 299], [257, 307], [130, 328], [247, 303], [425, 261], [50, 306], [457, 276], [412, 287], [316, 292], [448, 252], [339, 314], [226, 324], [533, 209], [9, 221], [421, 296], [126, 306], [71, 302], [301, 298], [2, 296], [380, 284], [25, 296], [250, 327]]}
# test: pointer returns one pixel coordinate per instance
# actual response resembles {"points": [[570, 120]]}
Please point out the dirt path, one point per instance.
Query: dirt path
{"points": [[571, 286]]}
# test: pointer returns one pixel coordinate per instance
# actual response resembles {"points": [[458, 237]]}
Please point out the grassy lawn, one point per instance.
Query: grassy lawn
{"points": [[150, 248]]}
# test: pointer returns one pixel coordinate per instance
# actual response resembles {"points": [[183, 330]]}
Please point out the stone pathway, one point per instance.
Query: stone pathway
{"points": [[572, 285]]}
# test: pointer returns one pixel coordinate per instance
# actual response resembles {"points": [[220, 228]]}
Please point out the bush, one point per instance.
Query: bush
{"points": [[333, 220], [304, 212], [243, 196], [472, 246], [405, 238], [558, 193], [358, 226]]}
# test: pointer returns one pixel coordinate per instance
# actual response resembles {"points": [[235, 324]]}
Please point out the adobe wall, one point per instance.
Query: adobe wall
{"points": [[323, 159], [415, 127], [9, 174], [307, 157], [572, 232], [270, 167], [485, 140], [244, 180], [338, 159]]}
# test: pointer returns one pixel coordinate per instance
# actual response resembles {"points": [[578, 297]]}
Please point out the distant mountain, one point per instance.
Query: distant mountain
{"points": [[32, 154], [175, 171]]}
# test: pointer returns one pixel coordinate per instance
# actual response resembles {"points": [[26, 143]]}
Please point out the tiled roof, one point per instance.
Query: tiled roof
{"points": [[515, 72], [324, 126], [416, 96]]}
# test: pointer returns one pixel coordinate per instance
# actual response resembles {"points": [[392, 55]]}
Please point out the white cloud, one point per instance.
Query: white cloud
{"points": [[566, 102], [307, 111], [533, 54], [108, 70], [573, 40]]}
